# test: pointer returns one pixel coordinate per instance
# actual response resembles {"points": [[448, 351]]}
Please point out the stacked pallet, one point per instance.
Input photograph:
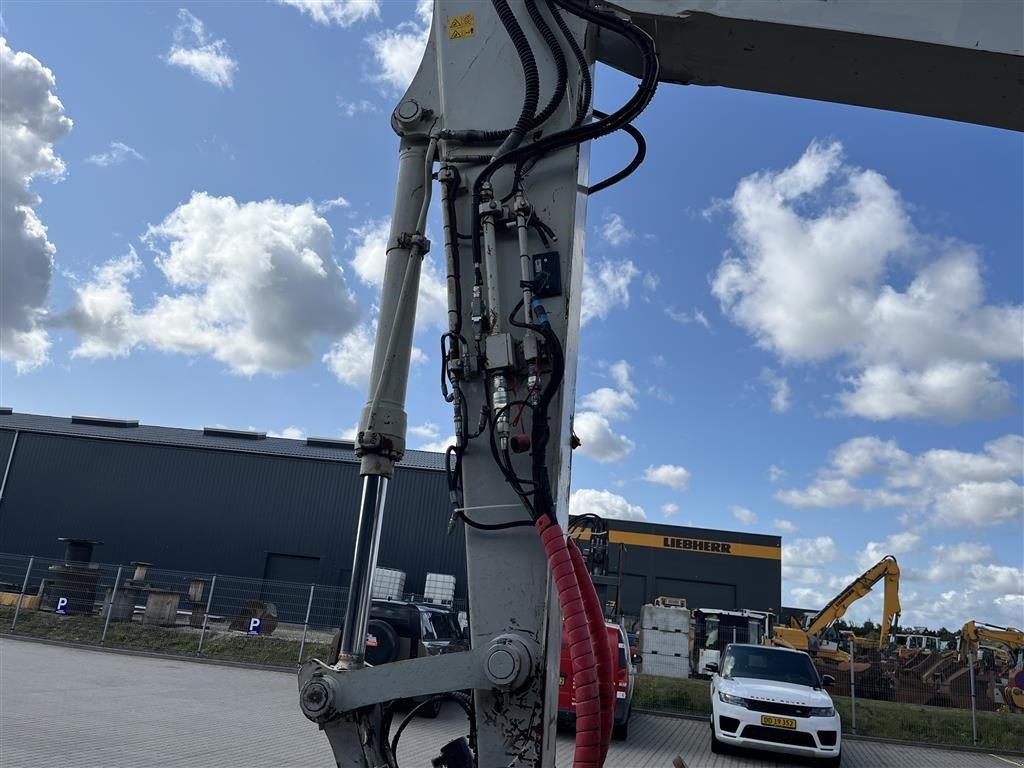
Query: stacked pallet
{"points": [[388, 584], [665, 641], [439, 588]]}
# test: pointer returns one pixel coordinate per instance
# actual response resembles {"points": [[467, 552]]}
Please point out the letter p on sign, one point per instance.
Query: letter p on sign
{"points": [[62, 606], [254, 625]]}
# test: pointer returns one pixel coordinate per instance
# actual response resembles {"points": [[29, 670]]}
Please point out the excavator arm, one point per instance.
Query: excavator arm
{"points": [[974, 632], [886, 569]]}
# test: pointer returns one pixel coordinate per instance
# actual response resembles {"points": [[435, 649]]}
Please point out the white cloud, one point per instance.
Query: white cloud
{"points": [[428, 430], [116, 154], [809, 553], [669, 509], [329, 205], [192, 50], [370, 258], [661, 394], [621, 373], [291, 433], [255, 285], [651, 281], [398, 51], [357, 107], [779, 386], [605, 286], [438, 446], [681, 316], [597, 438], [813, 286], [785, 526], [776, 473], [744, 515], [965, 552], [806, 597], [895, 544], [604, 503], [671, 475], [32, 120], [343, 13], [947, 487], [610, 403], [350, 358], [614, 230], [659, 361]]}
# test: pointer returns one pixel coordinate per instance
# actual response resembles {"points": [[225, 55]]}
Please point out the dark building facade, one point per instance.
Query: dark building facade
{"points": [[215, 501], [709, 568], [243, 504]]}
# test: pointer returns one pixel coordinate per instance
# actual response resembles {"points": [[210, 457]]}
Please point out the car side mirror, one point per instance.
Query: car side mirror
{"points": [[712, 667], [827, 680], [636, 658]]}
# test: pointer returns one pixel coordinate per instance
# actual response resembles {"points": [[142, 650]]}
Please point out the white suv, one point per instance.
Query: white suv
{"points": [[773, 699]]}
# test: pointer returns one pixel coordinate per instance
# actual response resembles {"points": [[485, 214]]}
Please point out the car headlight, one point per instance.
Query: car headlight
{"points": [[823, 711], [728, 698]]}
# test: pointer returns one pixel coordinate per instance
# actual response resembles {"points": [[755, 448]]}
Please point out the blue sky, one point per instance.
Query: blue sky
{"points": [[801, 318]]}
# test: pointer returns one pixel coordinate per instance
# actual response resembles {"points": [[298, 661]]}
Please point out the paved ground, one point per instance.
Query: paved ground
{"points": [[61, 706]]}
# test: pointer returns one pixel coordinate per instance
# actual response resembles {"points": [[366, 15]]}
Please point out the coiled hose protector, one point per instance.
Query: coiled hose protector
{"points": [[531, 78], [576, 629], [599, 639]]}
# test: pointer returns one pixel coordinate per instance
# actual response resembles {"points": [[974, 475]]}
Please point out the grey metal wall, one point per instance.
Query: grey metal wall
{"points": [[749, 576], [216, 511]]}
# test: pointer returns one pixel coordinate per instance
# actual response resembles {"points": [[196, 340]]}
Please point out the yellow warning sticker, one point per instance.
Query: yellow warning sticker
{"points": [[461, 26]]}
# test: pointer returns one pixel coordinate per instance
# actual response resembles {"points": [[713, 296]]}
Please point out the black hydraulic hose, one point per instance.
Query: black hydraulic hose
{"points": [[531, 79], [638, 158], [577, 135], [586, 84], [561, 68]]}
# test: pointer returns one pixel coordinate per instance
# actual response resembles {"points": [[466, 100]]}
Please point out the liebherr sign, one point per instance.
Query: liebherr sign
{"points": [[687, 544], [698, 544]]}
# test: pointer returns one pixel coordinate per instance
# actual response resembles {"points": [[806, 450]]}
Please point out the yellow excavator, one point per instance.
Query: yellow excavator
{"points": [[811, 636], [1010, 666]]}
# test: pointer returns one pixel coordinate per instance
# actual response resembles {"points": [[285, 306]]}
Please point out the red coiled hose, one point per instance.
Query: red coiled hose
{"points": [[599, 638], [576, 629]]}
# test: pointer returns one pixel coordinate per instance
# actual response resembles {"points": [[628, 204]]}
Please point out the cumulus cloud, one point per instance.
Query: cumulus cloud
{"points": [[605, 286], [615, 232], [370, 257], [254, 285], [809, 553], [397, 52], [776, 474], [597, 438], [116, 154], [611, 403], [779, 388], [669, 509], [350, 357], [194, 51], [816, 277], [32, 120], [604, 503], [325, 206], [895, 544], [291, 433], [670, 475], [744, 515], [944, 486], [786, 526], [438, 446], [342, 13]]}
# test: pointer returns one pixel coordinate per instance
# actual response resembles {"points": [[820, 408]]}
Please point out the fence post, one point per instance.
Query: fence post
{"points": [[853, 689], [305, 624], [734, 635], [974, 717], [110, 604], [206, 616], [24, 586]]}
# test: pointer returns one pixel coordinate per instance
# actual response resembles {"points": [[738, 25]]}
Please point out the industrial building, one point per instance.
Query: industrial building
{"points": [[245, 504]]}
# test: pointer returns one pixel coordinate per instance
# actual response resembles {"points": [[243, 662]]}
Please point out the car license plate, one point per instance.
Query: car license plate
{"points": [[778, 722], [561, 680]]}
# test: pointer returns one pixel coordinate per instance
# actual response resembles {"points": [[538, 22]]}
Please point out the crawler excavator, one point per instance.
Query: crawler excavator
{"points": [[1006, 665], [818, 637], [497, 126]]}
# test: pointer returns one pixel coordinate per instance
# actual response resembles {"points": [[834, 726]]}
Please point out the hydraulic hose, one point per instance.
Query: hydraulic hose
{"points": [[602, 652], [561, 68], [576, 629], [531, 79], [586, 84]]}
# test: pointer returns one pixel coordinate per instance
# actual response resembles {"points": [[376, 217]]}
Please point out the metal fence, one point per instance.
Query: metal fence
{"points": [[932, 697], [138, 607]]}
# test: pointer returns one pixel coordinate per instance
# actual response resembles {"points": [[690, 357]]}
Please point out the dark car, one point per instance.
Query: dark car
{"points": [[399, 630]]}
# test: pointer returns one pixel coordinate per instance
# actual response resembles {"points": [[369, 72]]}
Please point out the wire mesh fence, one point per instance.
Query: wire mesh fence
{"points": [[142, 608]]}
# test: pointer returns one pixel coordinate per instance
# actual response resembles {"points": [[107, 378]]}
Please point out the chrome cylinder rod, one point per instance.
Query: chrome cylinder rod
{"points": [[357, 612]]}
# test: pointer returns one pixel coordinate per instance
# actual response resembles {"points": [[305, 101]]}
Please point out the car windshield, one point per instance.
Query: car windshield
{"points": [[763, 663]]}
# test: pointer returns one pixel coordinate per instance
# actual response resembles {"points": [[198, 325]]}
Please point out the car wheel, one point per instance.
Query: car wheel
{"points": [[832, 762], [385, 639], [621, 730]]}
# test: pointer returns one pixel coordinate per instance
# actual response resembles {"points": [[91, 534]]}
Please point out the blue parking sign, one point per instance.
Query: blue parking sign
{"points": [[254, 626]]}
